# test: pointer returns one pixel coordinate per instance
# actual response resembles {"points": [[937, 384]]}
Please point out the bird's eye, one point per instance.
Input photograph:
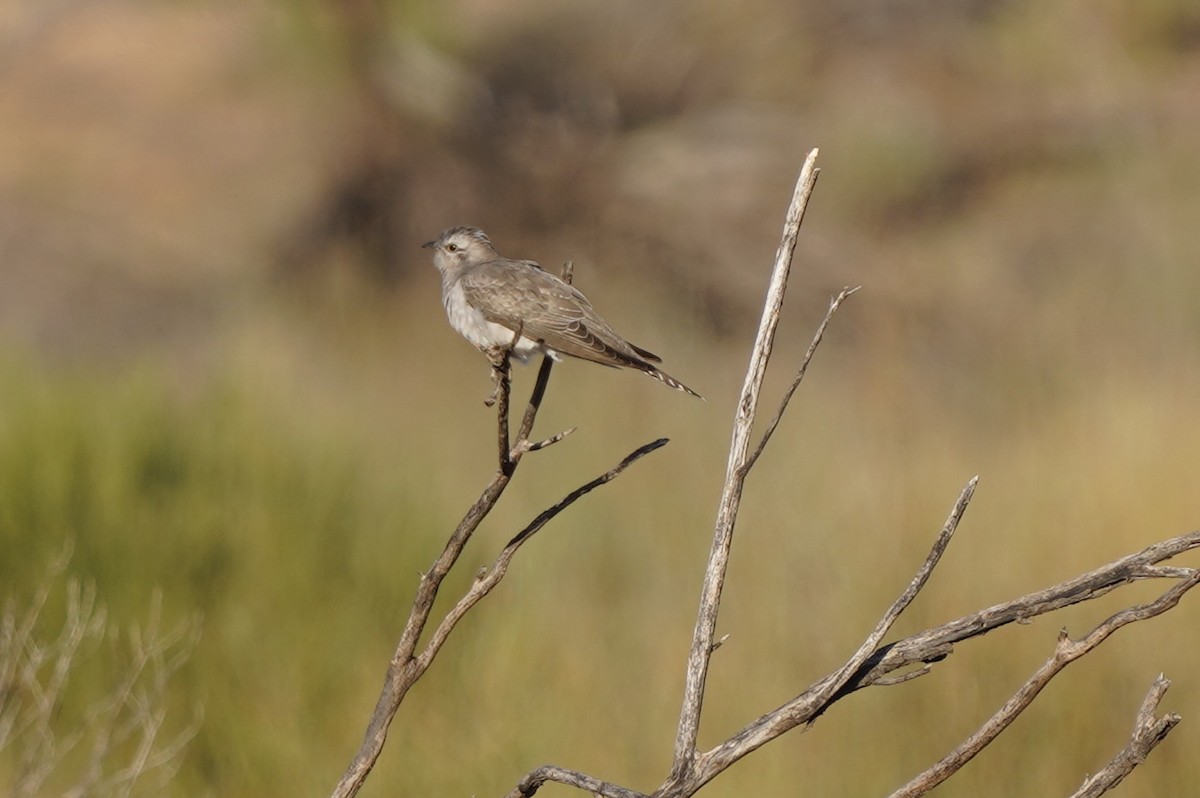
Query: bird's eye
{"points": [[452, 247]]}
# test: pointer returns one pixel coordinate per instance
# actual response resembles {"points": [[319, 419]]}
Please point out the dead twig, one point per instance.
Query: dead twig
{"points": [[834, 304], [489, 579], [1148, 732], [572, 778]]}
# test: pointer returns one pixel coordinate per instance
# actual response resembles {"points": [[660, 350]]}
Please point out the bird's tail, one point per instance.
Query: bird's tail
{"points": [[667, 379]]}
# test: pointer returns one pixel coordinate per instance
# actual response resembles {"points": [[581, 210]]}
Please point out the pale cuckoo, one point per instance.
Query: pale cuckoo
{"points": [[489, 298]]}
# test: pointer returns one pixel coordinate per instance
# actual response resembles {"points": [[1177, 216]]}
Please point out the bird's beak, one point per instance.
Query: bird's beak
{"points": [[429, 245]]}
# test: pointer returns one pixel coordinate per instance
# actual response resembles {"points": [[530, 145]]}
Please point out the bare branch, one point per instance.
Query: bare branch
{"points": [[714, 576], [402, 670], [484, 583], [543, 378], [834, 304], [535, 779], [524, 446], [901, 678], [1065, 652], [502, 374], [1148, 732]]}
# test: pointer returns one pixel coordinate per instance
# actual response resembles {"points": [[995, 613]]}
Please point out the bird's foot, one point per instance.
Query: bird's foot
{"points": [[497, 380]]}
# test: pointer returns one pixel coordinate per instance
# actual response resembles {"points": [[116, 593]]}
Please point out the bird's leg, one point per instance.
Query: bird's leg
{"points": [[499, 361], [499, 357]]}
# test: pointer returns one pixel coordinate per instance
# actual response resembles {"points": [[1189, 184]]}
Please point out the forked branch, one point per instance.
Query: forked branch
{"points": [[487, 580], [1148, 732]]}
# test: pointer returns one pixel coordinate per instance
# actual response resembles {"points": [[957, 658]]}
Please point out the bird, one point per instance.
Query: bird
{"points": [[515, 307]]}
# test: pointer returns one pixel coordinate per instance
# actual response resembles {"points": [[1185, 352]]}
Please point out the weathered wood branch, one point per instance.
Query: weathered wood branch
{"points": [[818, 336], [572, 778], [487, 580], [1148, 732], [714, 576], [935, 644], [404, 669]]}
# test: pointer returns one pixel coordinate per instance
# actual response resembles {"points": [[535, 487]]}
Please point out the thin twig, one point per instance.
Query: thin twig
{"points": [[573, 778], [402, 671], [502, 371], [484, 584], [525, 446], [906, 598], [1148, 732], [714, 576], [543, 378], [834, 304]]}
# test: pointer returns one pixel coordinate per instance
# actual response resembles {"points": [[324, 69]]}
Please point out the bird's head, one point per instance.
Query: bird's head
{"points": [[459, 246]]}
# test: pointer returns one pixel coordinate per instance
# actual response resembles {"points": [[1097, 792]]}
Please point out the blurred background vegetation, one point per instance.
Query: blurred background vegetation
{"points": [[225, 371]]}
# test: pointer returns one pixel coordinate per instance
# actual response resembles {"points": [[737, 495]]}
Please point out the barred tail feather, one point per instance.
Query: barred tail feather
{"points": [[668, 380]]}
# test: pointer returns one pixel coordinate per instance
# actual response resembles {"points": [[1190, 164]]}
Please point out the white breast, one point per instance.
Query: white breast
{"points": [[484, 334]]}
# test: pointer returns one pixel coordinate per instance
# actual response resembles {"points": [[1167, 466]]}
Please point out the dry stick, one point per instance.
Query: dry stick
{"points": [[799, 710], [403, 670], [714, 576], [487, 580], [573, 778], [834, 304], [503, 375], [1065, 652], [1148, 732], [936, 643]]}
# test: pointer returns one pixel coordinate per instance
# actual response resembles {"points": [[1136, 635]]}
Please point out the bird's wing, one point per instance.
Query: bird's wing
{"points": [[520, 294]]}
